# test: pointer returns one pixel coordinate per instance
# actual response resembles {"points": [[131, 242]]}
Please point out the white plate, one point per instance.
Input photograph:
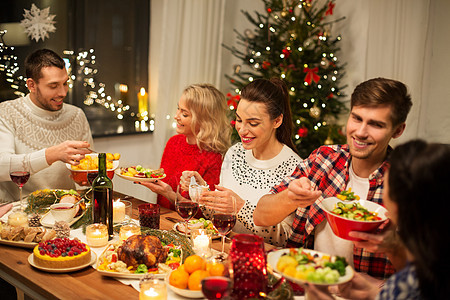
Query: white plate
{"points": [[48, 220], [22, 244], [62, 270], [272, 260], [178, 225], [183, 292], [137, 179], [124, 275]]}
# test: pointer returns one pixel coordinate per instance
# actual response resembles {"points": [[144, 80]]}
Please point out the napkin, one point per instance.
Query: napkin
{"points": [[5, 208]]}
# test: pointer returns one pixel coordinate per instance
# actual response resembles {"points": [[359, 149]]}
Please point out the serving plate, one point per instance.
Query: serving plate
{"points": [[183, 292], [274, 256], [124, 275], [179, 227], [138, 179], [49, 221], [62, 270], [21, 244]]}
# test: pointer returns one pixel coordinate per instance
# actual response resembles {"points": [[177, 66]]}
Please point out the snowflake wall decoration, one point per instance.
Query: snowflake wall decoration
{"points": [[38, 23]]}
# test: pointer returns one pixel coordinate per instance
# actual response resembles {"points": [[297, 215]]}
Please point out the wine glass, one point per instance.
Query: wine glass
{"points": [[216, 287], [224, 223], [19, 171], [185, 206]]}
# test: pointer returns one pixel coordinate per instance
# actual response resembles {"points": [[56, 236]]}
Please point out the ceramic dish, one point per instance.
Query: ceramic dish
{"points": [[183, 292], [62, 270], [21, 244], [179, 227], [274, 256], [48, 220], [138, 179], [342, 226]]}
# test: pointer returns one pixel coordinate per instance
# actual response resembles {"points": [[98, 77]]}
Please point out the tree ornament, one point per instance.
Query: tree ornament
{"points": [[302, 132], [325, 63], [248, 33], [329, 11], [284, 13], [265, 65], [328, 141], [315, 112], [311, 75], [309, 43], [38, 23], [237, 69]]}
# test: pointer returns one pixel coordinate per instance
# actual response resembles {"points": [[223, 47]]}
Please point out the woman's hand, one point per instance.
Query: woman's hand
{"points": [[221, 199], [161, 188], [185, 179]]}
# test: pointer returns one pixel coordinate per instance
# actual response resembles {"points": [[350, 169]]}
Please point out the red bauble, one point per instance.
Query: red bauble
{"points": [[233, 123], [302, 132]]}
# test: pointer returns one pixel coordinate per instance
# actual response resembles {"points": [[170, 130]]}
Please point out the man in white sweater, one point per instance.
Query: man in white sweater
{"points": [[41, 130]]}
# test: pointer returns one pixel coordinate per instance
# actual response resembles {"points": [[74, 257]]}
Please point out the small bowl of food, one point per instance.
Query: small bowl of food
{"points": [[357, 215], [86, 171], [63, 211]]}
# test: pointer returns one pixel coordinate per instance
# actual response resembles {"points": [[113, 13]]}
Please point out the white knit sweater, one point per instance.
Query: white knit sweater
{"points": [[27, 130]]}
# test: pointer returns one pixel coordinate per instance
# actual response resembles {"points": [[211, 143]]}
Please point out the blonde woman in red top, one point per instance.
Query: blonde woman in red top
{"points": [[203, 137]]}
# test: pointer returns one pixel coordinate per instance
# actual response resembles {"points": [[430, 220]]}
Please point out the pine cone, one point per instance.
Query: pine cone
{"points": [[34, 220], [62, 229]]}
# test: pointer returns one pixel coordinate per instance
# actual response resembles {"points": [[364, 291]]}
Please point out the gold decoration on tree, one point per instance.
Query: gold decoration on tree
{"points": [[315, 112]]}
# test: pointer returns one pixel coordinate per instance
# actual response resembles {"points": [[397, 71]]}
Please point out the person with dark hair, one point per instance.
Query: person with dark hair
{"points": [[418, 209], [378, 112], [41, 129], [262, 159]]}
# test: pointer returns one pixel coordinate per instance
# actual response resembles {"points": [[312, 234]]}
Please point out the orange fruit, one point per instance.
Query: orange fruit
{"points": [[179, 278], [181, 267], [215, 268], [194, 263], [195, 279]]}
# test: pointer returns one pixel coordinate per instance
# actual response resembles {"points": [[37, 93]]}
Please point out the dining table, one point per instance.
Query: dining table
{"points": [[83, 284]]}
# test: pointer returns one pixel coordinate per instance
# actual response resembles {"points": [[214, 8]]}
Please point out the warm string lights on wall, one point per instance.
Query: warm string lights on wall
{"points": [[9, 65]]}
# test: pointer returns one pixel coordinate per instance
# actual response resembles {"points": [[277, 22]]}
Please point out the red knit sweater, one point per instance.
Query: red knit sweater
{"points": [[179, 156]]}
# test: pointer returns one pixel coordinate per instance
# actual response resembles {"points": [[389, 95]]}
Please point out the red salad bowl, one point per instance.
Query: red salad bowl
{"points": [[342, 226]]}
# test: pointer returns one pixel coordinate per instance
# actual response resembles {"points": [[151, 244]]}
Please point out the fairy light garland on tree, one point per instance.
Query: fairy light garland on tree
{"points": [[292, 41]]}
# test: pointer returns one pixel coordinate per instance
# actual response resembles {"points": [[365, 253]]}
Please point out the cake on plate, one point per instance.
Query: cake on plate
{"points": [[61, 253]]}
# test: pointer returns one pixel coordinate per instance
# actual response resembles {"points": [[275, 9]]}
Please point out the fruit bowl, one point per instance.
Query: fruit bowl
{"points": [[183, 292], [342, 226], [80, 176]]}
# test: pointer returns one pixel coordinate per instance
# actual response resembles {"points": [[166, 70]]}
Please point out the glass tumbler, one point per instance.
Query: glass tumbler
{"points": [[248, 263]]}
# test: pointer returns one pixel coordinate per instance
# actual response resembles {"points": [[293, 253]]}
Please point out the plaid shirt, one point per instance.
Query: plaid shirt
{"points": [[328, 170]]}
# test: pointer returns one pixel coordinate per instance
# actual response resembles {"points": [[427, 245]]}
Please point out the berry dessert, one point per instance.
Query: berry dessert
{"points": [[61, 253]]}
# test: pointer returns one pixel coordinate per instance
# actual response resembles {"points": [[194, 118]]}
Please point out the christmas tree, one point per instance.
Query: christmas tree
{"points": [[292, 41]]}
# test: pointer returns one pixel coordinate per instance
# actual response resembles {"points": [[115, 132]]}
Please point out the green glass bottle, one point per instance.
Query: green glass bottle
{"points": [[102, 191]]}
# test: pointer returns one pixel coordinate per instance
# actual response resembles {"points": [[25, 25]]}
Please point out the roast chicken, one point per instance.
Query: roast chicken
{"points": [[142, 249]]}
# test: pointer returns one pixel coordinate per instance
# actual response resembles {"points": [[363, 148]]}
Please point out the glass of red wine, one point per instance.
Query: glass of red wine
{"points": [[216, 287], [185, 206], [224, 223], [19, 171]]}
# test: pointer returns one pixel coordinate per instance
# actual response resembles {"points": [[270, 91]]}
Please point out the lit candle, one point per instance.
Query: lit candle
{"points": [[97, 235], [202, 243], [18, 218], [143, 102], [118, 211], [128, 230], [153, 290]]}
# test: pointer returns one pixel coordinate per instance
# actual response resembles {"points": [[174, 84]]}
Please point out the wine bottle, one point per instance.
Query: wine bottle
{"points": [[102, 191]]}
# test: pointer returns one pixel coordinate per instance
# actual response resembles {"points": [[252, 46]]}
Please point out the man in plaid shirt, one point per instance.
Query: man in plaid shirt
{"points": [[379, 108]]}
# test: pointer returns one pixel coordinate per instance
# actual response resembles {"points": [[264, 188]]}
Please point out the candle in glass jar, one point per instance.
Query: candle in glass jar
{"points": [[18, 218], [97, 235], [201, 242], [128, 230], [118, 211], [153, 290]]}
